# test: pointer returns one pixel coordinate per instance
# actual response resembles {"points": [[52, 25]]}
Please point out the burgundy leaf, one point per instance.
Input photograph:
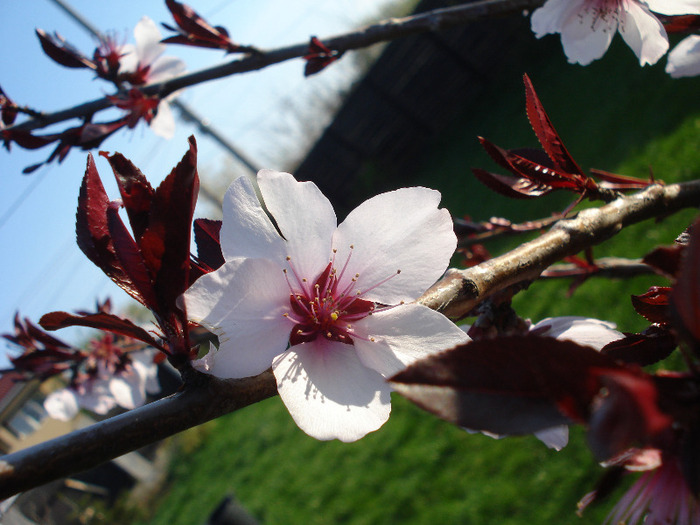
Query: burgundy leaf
{"points": [[318, 57], [136, 192], [93, 232], [195, 31], [8, 109], [620, 182], [101, 321], [547, 135], [685, 296], [507, 385], [625, 413], [653, 304], [520, 188], [680, 24], [522, 166], [130, 259], [24, 139], [665, 259], [645, 348], [206, 235], [61, 52], [165, 245]]}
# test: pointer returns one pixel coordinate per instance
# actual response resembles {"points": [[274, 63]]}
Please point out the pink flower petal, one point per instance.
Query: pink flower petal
{"points": [[643, 32], [399, 230], [403, 335], [62, 404], [581, 330], [243, 302], [684, 59], [304, 216], [247, 231], [330, 393]]}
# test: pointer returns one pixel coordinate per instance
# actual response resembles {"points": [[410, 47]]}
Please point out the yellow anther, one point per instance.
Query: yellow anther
{"points": [[334, 316]]}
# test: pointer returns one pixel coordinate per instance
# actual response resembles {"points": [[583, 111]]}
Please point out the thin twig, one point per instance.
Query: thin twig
{"points": [[390, 29]]}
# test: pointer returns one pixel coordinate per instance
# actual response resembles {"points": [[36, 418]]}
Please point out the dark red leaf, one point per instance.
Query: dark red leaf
{"points": [[507, 385], [195, 31], [131, 260], [653, 304], [165, 245], [61, 52], [625, 413], [101, 321], [665, 259], [318, 57], [136, 192], [685, 296], [520, 188], [24, 139], [522, 166], [93, 233], [620, 182], [681, 24], [206, 235], [8, 109], [546, 134], [643, 349]]}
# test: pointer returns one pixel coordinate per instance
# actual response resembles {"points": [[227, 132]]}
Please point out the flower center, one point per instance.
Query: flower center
{"points": [[605, 15], [327, 307]]}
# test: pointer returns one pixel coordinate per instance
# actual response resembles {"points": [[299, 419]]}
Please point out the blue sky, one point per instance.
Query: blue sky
{"points": [[42, 269]]}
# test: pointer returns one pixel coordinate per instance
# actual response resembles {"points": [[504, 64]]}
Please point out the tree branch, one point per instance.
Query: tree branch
{"points": [[207, 398], [390, 29], [461, 290], [204, 399]]}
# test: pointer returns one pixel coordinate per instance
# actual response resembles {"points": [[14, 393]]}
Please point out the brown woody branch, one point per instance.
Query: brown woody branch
{"points": [[460, 290], [607, 267], [207, 398], [386, 30]]}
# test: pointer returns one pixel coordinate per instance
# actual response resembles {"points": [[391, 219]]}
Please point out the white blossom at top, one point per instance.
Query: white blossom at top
{"points": [[146, 58], [327, 306], [588, 26]]}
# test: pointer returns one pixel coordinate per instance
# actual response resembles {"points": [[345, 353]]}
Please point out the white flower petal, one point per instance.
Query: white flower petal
{"points": [[243, 302], [555, 437], [146, 369], [164, 68], [129, 60], [128, 390], [304, 216], [148, 37], [644, 33], [586, 38], [98, 398], [399, 230], [330, 393], [62, 404], [551, 16], [403, 335], [684, 59], [247, 230], [163, 124], [581, 330], [674, 7]]}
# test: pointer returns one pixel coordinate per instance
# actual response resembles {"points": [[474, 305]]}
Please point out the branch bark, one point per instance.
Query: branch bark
{"points": [[461, 290], [390, 29]]}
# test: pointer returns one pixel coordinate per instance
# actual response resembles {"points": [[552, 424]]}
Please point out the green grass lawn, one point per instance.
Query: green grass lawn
{"points": [[612, 115]]}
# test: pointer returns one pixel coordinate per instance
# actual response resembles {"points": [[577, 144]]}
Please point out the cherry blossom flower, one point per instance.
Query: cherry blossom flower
{"points": [[327, 306], [588, 26], [581, 330], [109, 379], [144, 63], [684, 59], [660, 495]]}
